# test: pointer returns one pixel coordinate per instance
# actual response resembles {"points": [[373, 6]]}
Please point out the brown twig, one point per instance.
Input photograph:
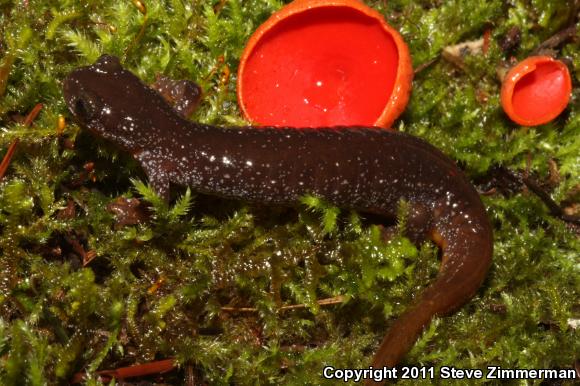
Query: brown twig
{"points": [[322, 302], [190, 378], [486, 41], [556, 39], [151, 368], [220, 61], [88, 257], [155, 286], [219, 6], [425, 65], [12, 148], [5, 71], [7, 158], [555, 209], [32, 115], [143, 10]]}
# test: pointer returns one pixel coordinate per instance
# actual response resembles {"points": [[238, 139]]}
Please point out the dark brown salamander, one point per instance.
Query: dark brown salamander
{"points": [[366, 169]]}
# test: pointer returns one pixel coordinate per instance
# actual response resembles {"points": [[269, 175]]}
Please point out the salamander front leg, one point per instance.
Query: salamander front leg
{"points": [[157, 172], [160, 184]]}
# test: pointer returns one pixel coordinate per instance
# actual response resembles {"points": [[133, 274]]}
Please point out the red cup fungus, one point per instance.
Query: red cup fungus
{"points": [[321, 63], [536, 90]]}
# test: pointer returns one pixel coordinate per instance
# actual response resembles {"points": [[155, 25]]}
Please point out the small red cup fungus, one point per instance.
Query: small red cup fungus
{"points": [[536, 90], [324, 63]]}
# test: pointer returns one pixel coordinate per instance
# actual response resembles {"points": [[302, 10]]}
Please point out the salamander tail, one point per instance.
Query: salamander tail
{"points": [[467, 252]]}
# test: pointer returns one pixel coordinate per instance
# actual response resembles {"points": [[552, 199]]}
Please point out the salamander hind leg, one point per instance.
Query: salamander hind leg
{"points": [[418, 221]]}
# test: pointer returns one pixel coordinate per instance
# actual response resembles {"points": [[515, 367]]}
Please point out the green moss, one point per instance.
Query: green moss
{"points": [[156, 289]]}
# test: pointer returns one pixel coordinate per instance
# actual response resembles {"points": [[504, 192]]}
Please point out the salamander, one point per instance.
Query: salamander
{"points": [[367, 169]]}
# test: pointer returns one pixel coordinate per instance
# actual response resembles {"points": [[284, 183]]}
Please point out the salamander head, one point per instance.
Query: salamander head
{"points": [[111, 102]]}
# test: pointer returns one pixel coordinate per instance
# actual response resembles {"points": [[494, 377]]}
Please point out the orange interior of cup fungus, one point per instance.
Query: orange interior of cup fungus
{"points": [[536, 90], [324, 63]]}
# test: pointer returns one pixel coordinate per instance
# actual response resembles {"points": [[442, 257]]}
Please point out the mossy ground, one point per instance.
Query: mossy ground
{"points": [[158, 289]]}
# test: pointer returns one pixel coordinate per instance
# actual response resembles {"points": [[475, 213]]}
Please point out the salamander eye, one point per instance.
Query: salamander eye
{"points": [[83, 109]]}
